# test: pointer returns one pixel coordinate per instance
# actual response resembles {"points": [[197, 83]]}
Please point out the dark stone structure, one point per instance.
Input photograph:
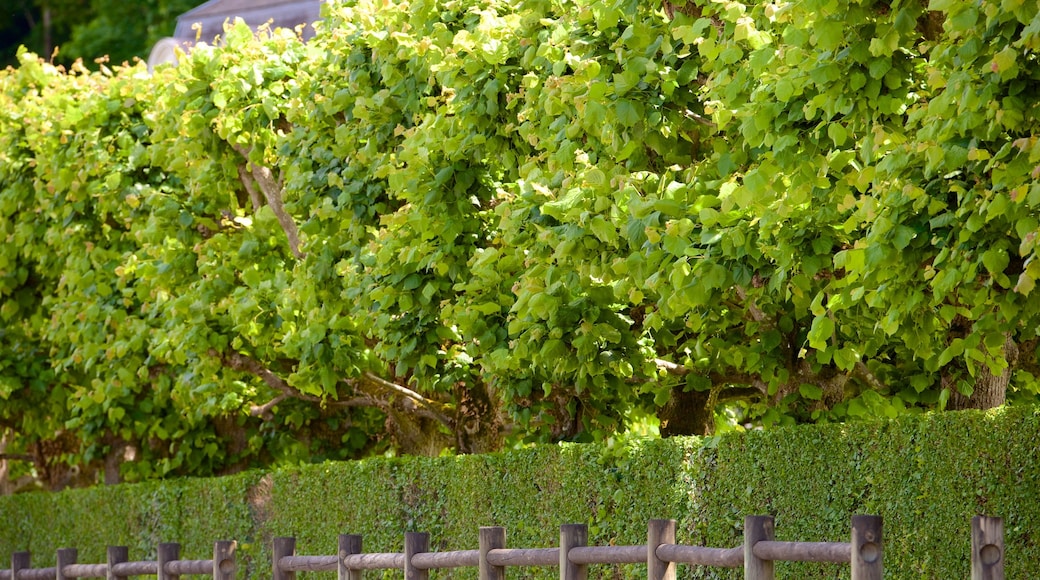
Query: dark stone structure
{"points": [[212, 15], [206, 22]]}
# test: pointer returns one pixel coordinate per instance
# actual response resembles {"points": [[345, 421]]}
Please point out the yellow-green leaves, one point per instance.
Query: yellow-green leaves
{"points": [[550, 198]]}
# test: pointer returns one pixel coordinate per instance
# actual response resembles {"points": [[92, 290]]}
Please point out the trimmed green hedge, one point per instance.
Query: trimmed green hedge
{"points": [[926, 476]]}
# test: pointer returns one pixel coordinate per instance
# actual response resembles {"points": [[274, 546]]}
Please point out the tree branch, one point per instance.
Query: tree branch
{"points": [[414, 402], [699, 118], [440, 411], [240, 362], [272, 190], [671, 368], [863, 373], [738, 394], [716, 378], [756, 312], [264, 411], [359, 402], [250, 185], [16, 457]]}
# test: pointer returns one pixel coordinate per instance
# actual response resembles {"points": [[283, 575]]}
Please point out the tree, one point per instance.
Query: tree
{"points": [[123, 31], [464, 226], [88, 30]]}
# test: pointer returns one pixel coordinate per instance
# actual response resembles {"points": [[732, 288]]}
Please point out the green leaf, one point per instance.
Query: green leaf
{"points": [[595, 114], [944, 398], [596, 177], [1026, 284], [996, 260], [625, 82], [902, 236], [784, 90], [830, 33], [411, 282], [964, 20], [627, 112], [821, 331], [811, 392], [604, 230], [837, 134], [845, 358], [856, 408], [252, 277], [570, 200], [886, 44], [714, 277]]}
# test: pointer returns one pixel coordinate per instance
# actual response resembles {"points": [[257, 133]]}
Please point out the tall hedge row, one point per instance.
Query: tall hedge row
{"points": [[926, 477], [461, 224]]}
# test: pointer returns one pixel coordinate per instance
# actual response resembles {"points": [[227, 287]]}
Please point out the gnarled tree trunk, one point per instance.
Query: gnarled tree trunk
{"points": [[990, 390], [687, 413]]}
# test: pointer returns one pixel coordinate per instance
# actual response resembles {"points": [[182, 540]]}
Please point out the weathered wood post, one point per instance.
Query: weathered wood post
{"points": [[224, 560], [757, 529], [280, 548], [65, 557], [415, 543], [20, 561], [168, 552], [116, 555], [987, 548], [572, 536], [866, 548], [659, 532], [491, 538], [349, 544]]}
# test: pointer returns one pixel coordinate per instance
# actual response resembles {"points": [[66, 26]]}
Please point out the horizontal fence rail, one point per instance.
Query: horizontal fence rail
{"points": [[714, 557], [573, 556], [524, 557], [167, 567]]}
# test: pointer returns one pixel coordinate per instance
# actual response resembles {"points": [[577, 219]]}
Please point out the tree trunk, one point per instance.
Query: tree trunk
{"points": [[48, 43], [990, 390], [414, 434], [477, 422], [687, 413]]}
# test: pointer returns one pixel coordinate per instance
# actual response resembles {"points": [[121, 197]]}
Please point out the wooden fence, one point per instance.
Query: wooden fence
{"points": [[573, 556]]}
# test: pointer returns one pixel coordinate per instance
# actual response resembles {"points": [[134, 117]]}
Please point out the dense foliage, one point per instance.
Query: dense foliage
{"points": [[925, 476], [458, 224]]}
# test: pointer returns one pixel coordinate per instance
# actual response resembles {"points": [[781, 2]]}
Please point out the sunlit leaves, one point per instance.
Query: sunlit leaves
{"points": [[544, 198]]}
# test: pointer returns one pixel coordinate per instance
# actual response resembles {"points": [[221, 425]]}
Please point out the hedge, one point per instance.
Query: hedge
{"points": [[545, 218], [926, 477]]}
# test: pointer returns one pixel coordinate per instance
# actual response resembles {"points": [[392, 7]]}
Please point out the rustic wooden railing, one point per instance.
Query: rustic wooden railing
{"points": [[168, 566], [660, 554]]}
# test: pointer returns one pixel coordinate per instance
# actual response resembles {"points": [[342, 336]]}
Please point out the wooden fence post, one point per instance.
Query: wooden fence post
{"points": [[168, 552], [659, 532], [491, 538], [987, 548], [866, 548], [280, 548], [20, 561], [415, 543], [116, 555], [349, 544], [757, 529], [224, 560], [572, 536], [65, 557]]}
